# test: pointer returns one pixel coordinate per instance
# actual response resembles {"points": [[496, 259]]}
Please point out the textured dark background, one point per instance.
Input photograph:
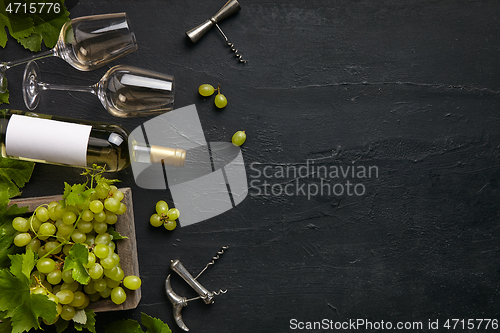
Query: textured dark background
{"points": [[410, 87]]}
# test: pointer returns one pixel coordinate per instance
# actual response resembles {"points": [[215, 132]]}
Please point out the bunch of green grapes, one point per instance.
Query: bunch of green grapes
{"points": [[164, 216], [54, 229]]}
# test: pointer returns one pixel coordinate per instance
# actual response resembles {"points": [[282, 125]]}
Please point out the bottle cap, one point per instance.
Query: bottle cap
{"points": [[170, 156]]}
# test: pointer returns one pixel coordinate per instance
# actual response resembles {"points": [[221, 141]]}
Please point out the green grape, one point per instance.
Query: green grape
{"points": [[65, 296], [112, 204], [101, 250], [91, 259], [170, 224], [112, 189], [42, 214], [39, 290], [59, 210], [41, 251], [78, 236], [116, 257], [155, 220], [122, 209], [96, 271], [94, 297], [73, 286], [64, 229], [108, 262], [101, 192], [87, 215], [53, 247], [118, 195], [85, 227], [118, 295], [90, 241], [100, 285], [220, 101], [52, 204], [34, 223], [78, 299], [104, 238], [100, 217], [132, 282], [54, 277], [161, 207], [239, 138], [53, 297], [67, 248], [45, 265], [68, 312], [96, 206], [100, 227], [111, 218], [22, 239], [106, 292], [46, 284], [206, 90], [20, 224], [69, 217], [67, 276], [86, 303], [34, 245], [89, 288], [115, 273], [173, 214], [111, 283], [53, 213]]}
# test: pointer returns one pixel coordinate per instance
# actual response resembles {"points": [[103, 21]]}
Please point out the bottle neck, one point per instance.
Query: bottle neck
{"points": [[157, 154]]}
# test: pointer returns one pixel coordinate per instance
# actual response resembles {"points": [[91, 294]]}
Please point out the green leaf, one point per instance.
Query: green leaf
{"points": [[123, 326], [76, 194], [154, 325], [14, 174], [33, 42], [5, 326], [104, 182], [61, 325], [115, 235], [90, 323], [22, 264], [23, 308], [80, 317], [77, 258]]}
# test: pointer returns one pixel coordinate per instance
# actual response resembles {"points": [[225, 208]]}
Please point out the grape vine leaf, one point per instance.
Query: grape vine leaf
{"points": [[115, 235], [14, 174], [153, 325], [22, 308], [76, 194], [77, 258], [89, 324]]}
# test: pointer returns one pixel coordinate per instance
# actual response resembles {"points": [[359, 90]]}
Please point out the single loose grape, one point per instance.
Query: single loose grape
{"points": [[239, 138], [118, 295], [220, 101], [161, 207], [170, 225], [155, 220], [132, 282], [173, 214], [206, 90], [20, 224]]}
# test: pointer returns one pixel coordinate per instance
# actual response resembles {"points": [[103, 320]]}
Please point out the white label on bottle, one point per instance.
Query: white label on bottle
{"points": [[47, 140]]}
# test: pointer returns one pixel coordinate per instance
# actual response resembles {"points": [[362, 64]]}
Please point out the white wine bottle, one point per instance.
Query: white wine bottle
{"points": [[75, 142]]}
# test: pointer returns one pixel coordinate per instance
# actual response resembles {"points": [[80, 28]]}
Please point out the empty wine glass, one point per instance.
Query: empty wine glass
{"points": [[86, 43], [124, 91]]}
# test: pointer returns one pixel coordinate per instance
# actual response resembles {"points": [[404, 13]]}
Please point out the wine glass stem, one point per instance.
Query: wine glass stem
{"points": [[8, 64], [88, 89]]}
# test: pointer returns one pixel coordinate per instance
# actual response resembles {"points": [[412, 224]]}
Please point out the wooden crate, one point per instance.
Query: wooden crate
{"points": [[126, 248]]}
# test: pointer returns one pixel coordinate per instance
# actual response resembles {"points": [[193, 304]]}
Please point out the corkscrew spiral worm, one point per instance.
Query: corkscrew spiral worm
{"points": [[231, 45]]}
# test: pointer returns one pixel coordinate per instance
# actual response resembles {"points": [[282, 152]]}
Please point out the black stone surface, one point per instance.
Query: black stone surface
{"points": [[409, 88]]}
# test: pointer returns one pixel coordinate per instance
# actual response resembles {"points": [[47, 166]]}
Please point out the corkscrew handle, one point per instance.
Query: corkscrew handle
{"points": [[230, 8]]}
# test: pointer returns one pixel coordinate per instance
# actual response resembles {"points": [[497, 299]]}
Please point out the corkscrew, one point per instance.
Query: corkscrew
{"points": [[179, 302], [230, 8]]}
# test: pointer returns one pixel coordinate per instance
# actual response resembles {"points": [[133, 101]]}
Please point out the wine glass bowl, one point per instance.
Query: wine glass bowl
{"points": [[127, 91], [124, 91], [90, 42]]}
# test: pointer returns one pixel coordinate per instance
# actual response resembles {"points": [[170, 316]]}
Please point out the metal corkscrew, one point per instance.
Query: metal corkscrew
{"points": [[230, 8]]}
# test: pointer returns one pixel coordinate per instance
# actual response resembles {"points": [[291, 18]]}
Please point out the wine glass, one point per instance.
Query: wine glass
{"points": [[86, 43], [124, 91]]}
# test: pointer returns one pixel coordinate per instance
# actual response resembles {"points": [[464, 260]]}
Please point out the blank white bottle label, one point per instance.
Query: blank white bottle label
{"points": [[47, 140]]}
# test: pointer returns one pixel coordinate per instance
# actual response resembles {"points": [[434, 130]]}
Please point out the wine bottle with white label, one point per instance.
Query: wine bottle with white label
{"points": [[75, 142]]}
